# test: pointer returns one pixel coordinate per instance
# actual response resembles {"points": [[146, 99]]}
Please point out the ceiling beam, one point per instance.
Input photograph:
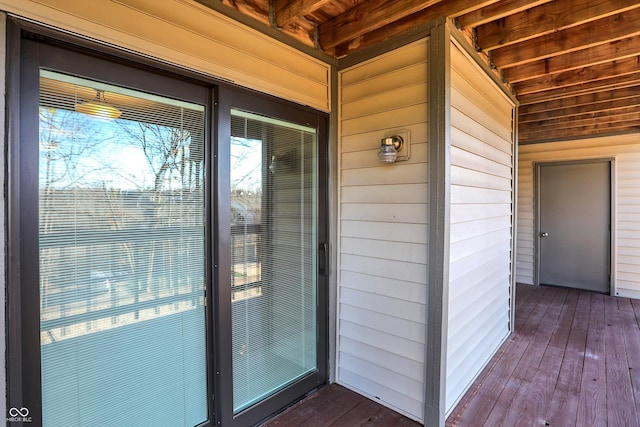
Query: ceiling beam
{"points": [[605, 30], [616, 50], [496, 11], [365, 17], [581, 132], [612, 116], [570, 111], [588, 99], [446, 8], [547, 18], [582, 75], [288, 11], [613, 83]]}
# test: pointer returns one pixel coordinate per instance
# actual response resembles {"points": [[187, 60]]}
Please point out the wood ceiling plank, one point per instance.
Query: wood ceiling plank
{"points": [[366, 17], [612, 116], [616, 50], [613, 83], [607, 95], [581, 132], [547, 18], [582, 75], [579, 108], [447, 8], [288, 11], [605, 30], [250, 8], [496, 11]]}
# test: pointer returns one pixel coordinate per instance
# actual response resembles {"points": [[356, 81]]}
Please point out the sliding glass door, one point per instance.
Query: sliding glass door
{"points": [[168, 245], [121, 255], [274, 225]]}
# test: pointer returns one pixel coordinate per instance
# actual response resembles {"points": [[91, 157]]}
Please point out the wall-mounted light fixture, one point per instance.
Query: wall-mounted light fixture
{"points": [[98, 107], [394, 147]]}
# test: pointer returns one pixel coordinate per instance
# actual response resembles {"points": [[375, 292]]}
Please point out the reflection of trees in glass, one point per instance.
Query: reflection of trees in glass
{"points": [[246, 180], [169, 153], [123, 198]]}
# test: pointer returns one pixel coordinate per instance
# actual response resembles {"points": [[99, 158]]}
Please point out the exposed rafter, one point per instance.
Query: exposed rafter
{"points": [[574, 65]]}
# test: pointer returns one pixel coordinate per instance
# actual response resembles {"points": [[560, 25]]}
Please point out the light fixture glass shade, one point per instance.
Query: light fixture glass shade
{"points": [[389, 148], [98, 108]]}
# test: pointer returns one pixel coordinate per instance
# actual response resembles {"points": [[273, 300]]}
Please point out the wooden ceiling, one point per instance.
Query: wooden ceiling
{"points": [[574, 65]]}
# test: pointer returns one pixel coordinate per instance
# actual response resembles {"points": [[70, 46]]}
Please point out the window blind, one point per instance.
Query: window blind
{"points": [[273, 207], [121, 257]]}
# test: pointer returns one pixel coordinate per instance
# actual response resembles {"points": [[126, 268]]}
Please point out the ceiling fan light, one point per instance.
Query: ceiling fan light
{"points": [[98, 108]]}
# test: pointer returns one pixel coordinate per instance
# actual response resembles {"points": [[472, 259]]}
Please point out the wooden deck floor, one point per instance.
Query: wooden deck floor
{"points": [[574, 360], [334, 405]]}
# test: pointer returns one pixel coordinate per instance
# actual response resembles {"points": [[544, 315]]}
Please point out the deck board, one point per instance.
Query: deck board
{"points": [[334, 405], [573, 360]]}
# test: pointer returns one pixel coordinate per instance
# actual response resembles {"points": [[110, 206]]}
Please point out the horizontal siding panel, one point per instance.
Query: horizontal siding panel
{"points": [[393, 288], [398, 251], [411, 350], [480, 239], [464, 213], [410, 272], [389, 193], [470, 229], [388, 83], [471, 178], [469, 282], [395, 232], [383, 230], [463, 67], [418, 133], [191, 36], [632, 265], [469, 195], [398, 118], [472, 128], [391, 325], [628, 225], [474, 162], [628, 197], [474, 333], [460, 102], [407, 56], [407, 174], [408, 213], [468, 143], [465, 248], [477, 99], [383, 374], [461, 376], [398, 401], [369, 159], [382, 102], [401, 365], [478, 260], [401, 309]]}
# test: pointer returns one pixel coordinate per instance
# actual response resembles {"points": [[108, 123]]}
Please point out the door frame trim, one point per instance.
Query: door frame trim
{"points": [[612, 212]]}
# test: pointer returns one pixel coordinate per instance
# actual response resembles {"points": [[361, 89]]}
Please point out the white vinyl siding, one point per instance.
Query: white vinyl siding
{"points": [[188, 34], [383, 213], [481, 218], [625, 149]]}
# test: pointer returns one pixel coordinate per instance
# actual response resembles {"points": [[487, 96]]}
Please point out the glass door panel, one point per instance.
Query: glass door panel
{"points": [[274, 181], [121, 256]]}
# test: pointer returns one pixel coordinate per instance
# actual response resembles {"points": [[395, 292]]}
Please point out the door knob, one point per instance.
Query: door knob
{"points": [[543, 234]]}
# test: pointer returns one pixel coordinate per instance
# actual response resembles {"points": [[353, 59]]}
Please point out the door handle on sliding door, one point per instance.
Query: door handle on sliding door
{"points": [[323, 259]]}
